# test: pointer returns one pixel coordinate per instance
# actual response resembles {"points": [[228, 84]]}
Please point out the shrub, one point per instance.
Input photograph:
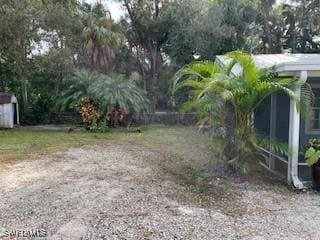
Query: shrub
{"points": [[312, 151], [88, 111], [100, 127], [95, 93]]}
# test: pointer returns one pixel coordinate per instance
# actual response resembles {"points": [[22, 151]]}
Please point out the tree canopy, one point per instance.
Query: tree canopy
{"points": [[43, 42]]}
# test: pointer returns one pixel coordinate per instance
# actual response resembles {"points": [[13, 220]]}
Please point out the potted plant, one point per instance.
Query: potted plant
{"points": [[312, 158]]}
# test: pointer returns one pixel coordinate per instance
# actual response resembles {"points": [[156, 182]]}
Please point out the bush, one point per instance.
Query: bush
{"points": [[100, 127], [88, 111], [37, 113], [312, 151]]}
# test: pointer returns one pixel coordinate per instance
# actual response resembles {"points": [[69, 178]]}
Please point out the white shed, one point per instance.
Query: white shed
{"points": [[9, 110]]}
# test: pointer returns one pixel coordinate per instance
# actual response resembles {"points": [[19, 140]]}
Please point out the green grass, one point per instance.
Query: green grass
{"points": [[19, 144]]}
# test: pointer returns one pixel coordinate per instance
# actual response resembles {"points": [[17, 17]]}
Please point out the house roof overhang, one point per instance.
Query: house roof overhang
{"points": [[285, 64], [6, 98]]}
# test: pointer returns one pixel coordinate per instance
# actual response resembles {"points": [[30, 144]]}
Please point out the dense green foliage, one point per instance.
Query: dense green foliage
{"points": [[311, 152], [97, 93], [109, 91], [43, 42], [231, 100]]}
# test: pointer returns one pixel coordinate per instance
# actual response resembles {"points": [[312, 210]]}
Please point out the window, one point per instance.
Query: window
{"points": [[313, 121]]}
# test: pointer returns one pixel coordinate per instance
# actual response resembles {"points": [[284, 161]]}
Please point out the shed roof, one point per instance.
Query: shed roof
{"points": [[6, 98], [286, 63]]}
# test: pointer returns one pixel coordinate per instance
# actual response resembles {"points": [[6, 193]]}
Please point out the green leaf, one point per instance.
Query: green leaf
{"points": [[312, 156]]}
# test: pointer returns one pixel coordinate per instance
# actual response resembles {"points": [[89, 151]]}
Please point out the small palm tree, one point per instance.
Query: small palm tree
{"points": [[231, 100], [107, 91], [78, 88], [116, 90]]}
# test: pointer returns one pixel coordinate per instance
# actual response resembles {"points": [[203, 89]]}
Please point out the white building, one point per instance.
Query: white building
{"points": [[9, 110]]}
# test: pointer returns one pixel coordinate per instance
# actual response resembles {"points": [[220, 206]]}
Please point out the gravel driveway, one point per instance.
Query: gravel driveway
{"points": [[116, 192]]}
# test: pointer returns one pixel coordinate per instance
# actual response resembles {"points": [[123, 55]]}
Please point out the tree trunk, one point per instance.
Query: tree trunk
{"points": [[24, 94], [24, 90], [155, 68], [268, 42], [2, 82]]}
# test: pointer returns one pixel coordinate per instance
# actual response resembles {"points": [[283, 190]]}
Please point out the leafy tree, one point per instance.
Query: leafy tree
{"points": [[294, 25], [25, 24], [237, 17], [207, 28], [48, 73], [18, 31], [302, 26], [265, 12], [196, 30], [148, 30], [59, 23], [42, 41]]}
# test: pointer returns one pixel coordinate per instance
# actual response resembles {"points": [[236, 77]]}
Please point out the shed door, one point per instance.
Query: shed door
{"points": [[6, 116]]}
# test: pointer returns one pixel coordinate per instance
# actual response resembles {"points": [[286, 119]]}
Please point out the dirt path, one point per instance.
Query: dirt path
{"points": [[115, 192]]}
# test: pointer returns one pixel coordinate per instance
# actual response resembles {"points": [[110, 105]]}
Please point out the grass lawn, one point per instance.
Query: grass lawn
{"points": [[182, 151], [20, 144]]}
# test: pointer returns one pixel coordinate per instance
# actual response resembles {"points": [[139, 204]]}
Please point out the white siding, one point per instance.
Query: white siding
{"points": [[6, 116]]}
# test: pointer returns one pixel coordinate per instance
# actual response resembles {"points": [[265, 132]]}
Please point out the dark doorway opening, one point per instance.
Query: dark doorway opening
{"points": [[15, 114]]}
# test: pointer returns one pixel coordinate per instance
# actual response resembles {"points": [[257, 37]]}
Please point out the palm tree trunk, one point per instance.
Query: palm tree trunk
{"points": [[24, 89], [24, 92], [2, 82]]}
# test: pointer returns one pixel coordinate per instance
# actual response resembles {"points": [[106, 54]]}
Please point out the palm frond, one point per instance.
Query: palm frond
{"points": [[230, 101], [249, 70], [276, 146], [306, 100], [109, 91]]}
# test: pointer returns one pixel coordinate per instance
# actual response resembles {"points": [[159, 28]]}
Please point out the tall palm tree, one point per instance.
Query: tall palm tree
{"points": [[101, 41], [227, 98]]}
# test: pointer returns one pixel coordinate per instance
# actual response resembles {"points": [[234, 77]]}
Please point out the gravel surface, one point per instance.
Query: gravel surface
{"points": [[118, 192]]}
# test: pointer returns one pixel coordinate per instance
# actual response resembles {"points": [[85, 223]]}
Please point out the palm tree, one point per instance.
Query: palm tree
{"points": [[107, 91], [231, 101], [117, 91], [78, 88], [101, 41]]}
